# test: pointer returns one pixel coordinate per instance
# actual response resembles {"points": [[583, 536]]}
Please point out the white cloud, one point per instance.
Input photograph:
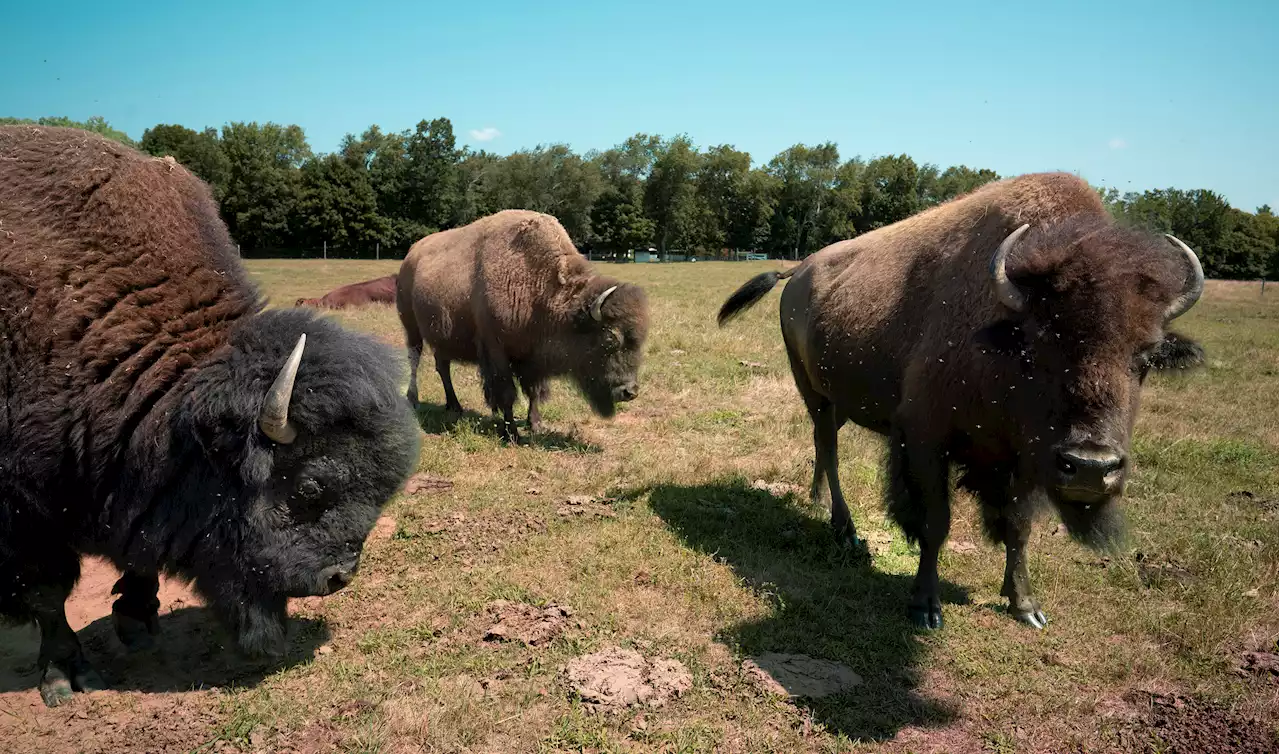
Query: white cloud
{"points": [[1116, 143], [488, 133]]}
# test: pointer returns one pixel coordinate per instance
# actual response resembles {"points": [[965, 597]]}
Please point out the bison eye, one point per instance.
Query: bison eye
{"points": [[309, 489]]}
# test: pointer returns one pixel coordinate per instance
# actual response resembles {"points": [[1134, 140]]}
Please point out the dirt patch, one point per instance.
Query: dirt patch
{"points": [[1254, 500], [586, 506], [384, 529], [426, 483], [486, 534], [528, 624], [617, 678], [795, 676], [1258, 663], [109, 721], [778, 489], [1178, 724], [1158, 571]]}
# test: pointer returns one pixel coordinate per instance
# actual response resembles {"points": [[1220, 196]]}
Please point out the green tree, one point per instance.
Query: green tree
{"points": [[200, 151], [336, 206], [888, 192], [551, 179], [263, 182], [805, 178], [618, 222], [431, 190], [669, 194]]}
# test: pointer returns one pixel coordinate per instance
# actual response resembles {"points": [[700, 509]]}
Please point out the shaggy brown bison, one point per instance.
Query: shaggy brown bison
{"points": [[377, 291], [511, 292], [1008, 332], [152, 413]]}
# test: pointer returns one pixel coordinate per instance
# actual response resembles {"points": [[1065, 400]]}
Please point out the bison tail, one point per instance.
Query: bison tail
{"points": [[751, 292]]}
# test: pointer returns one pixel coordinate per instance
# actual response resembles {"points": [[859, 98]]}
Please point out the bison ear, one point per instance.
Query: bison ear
{"points": [[1176, 352], [1004, 337]]}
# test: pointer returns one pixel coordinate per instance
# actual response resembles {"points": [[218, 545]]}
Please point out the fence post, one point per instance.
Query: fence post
{"points": [[1263, 290], [326, 249], [377, 250]]}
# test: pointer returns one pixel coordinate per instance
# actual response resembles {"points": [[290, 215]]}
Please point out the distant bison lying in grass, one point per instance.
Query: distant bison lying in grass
{"points": [[1009, 332], [511, 292], [152, 413], [377, 291]]}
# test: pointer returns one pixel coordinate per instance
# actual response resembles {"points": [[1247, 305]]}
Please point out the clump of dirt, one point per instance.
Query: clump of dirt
{"points": [[778, 489], [383, 529], [617, 678], [1246, 497], [426, 483], [586, 506], [1259, 663], [796, 675], [1178, 724], [1155, 571], [528, 624]]}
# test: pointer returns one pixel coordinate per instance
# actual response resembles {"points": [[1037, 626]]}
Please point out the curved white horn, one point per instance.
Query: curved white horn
{"points": [[1194, 286], [273, 420], [1006, 291], [595, 305]]}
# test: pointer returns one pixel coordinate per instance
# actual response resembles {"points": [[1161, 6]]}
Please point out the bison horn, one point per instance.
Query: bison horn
{"points": [[274, 419], [1194, 286], [1006, 291], [599, 302]]}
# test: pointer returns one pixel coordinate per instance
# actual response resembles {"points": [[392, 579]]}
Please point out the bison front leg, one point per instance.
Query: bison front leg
{"points": [[1006, 516], [63, 667], [537, 391], [451, 402], [135, 613], [499, 386], [920, 502]]}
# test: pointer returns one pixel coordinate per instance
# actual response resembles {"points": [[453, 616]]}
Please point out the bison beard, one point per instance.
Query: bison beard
{"points": [[1020, 362], [151, 413]]}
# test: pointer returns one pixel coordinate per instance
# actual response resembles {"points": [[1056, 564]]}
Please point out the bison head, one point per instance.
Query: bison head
{"points": [[608, 344], [1085, 311], [293, 441]]}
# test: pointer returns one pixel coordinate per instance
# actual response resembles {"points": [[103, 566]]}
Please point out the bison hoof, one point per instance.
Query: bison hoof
{"points": [[57, 688], [136, 634], [1034, 618], [927, 618]]}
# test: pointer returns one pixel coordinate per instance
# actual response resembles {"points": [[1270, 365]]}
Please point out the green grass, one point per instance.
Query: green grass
{"points": [[696, 564]]}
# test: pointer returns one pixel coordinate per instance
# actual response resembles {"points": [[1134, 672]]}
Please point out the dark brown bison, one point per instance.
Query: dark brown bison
{"points": [[152, 413], [511, 292], [377, 291], [1008, 332]]}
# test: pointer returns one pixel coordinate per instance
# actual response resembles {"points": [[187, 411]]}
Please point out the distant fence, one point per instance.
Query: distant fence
{"points": [[380, 252]]}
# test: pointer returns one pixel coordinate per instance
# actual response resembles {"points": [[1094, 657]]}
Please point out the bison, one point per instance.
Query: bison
{"points": [[377, 291], [1007, 332], [153, 413], [511, 293]]}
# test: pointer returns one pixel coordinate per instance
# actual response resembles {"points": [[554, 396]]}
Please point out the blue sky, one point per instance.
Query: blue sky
{"points": [[1134, 95]]}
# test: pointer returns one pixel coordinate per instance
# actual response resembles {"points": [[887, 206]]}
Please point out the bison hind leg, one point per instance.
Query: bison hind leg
{"points": [[537, 390]]}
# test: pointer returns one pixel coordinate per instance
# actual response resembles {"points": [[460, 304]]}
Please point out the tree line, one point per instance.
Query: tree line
{"points": [[381, 191]]}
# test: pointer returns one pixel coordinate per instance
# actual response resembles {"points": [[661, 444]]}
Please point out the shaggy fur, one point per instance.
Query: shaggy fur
{"points": [[511, 293], [134, 359], [899, 331], [377, 291]]}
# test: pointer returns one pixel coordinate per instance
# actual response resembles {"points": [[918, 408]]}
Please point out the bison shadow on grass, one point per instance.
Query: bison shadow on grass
{"points": [[436, 420], [192, 651], [827, 602]]}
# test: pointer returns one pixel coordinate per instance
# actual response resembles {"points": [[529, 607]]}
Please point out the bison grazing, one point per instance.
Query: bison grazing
{"points": [[1007, 331], [152, 413], [377, 291], [510, 292]]}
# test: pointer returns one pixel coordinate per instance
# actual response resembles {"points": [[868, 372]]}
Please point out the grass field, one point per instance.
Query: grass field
{"points": [[684, 558]]}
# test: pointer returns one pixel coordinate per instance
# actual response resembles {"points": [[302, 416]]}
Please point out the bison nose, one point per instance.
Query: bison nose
{"points": [[627, 392], [337, 576], [1091, 471]]}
